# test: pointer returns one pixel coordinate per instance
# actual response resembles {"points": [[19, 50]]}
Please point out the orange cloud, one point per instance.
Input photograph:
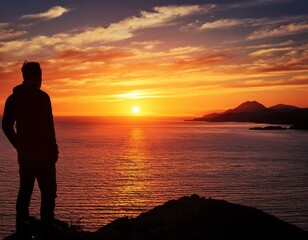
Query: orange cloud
{"points": [[299, 62], [91, 55], [199, 62], [255, 83]]}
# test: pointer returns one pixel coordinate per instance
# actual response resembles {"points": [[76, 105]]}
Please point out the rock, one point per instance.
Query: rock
{"points": [[300, 126], [269, 128], [199, 218]]}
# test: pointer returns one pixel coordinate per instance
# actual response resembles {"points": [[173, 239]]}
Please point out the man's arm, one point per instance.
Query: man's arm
{"points": [[52, 133], [8, 122]]}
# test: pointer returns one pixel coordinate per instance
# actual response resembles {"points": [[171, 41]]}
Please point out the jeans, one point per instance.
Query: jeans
{"points": [[41, 168]]}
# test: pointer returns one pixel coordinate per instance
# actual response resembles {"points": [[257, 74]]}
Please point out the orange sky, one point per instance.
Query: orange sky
{"points": [[170, 60]]}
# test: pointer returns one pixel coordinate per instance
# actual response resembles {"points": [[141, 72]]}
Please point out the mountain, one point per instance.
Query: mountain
{"points": [[253, 111], [211, 115], [284, 108], [249, 106]]}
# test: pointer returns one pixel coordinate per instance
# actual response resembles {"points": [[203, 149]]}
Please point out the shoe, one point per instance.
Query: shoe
{"points": [[23, 231]]}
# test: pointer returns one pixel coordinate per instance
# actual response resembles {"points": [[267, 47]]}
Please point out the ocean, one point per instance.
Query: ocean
{"points": [[110, 168]]}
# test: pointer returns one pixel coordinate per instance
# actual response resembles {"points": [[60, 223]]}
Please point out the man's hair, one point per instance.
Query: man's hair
{"points": [[31, 71]]}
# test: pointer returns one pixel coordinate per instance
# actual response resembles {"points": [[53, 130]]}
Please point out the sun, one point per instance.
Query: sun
{"points": [[136, 109]]}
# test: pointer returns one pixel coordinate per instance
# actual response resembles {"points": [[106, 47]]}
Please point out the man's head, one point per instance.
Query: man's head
{"points": [[32, 73]]}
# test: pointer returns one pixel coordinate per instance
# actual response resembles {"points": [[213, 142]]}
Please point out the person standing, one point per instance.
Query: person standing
{"points": [[28, 124]]}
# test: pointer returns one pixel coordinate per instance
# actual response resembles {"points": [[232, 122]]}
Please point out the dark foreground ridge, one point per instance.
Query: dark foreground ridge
{"points": [[187, 218]]}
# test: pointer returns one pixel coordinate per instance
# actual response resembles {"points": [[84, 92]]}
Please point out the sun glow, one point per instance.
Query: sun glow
{"points": [[136, 109]]}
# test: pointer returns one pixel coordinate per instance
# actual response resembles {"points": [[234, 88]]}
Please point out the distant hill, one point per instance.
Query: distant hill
{"points": [[255, 112], [284, 108], [211, 115]]}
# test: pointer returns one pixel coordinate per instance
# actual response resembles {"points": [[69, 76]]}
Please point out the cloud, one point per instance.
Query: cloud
{"points": [[124, 29], [159, 17], [3, 25], [199, 62], [284, 30], [7, 33], [237, 22], [137, 94], [178, 52], [255, 3], [285, 61], [266, 52], [222, 23], [147, 45], [269, 27], [251, 22], [53, 12], [297, 81], [271, 45]]}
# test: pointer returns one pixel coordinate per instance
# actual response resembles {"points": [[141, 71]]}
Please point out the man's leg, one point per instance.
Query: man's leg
{"points": [[46, 178], [24, 197]]}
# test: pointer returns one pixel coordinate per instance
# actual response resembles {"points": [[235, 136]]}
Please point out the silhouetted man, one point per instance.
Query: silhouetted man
{"points": [[28, 124]]}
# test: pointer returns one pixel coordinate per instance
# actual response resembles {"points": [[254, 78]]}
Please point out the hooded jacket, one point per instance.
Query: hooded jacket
{"points": [[28, 121]]}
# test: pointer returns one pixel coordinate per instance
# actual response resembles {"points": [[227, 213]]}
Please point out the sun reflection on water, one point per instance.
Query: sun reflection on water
{"points": [[132, 170]]}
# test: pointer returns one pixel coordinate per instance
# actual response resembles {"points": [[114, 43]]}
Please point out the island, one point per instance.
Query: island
{"points": [[255, 112], [189, 217]]}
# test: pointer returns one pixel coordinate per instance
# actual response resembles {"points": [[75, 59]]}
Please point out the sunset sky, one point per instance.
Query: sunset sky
{"points": [[166, 57]]}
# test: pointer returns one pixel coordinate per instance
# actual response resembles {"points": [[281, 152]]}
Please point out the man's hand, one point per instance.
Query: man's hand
{"points": [[54, 158]]}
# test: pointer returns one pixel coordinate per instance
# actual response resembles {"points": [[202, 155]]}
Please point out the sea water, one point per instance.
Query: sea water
{"points": [[110, 168]]}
